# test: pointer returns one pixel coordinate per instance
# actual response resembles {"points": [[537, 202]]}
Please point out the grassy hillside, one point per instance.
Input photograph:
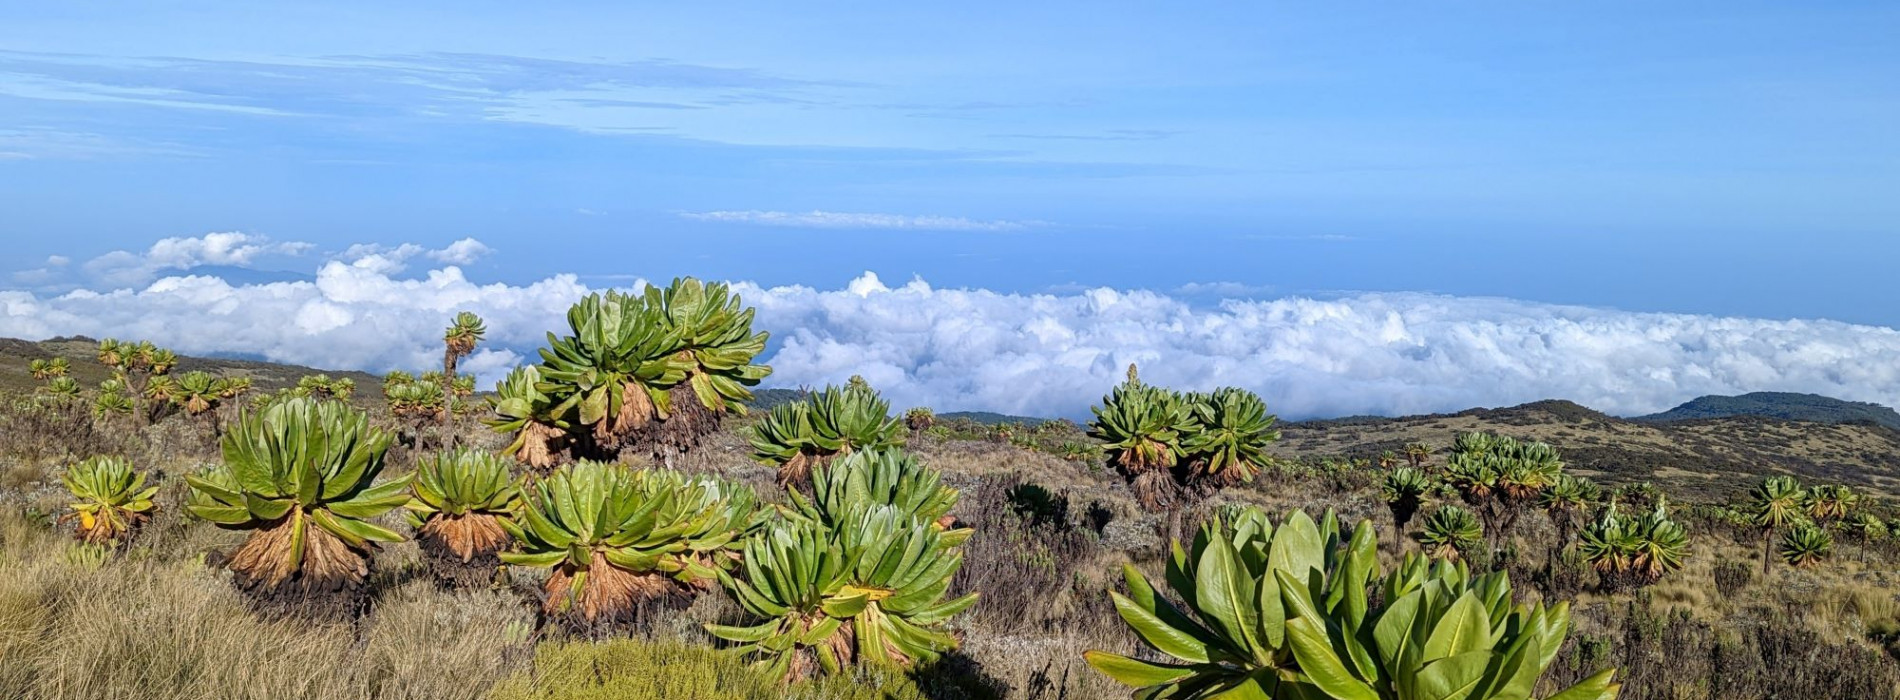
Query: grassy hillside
{"points": [[1053, 533], [1054, 524], [766, 398], [988, 418], [1707, 458], [1786, 406], [1703, 456], [82, 352]]}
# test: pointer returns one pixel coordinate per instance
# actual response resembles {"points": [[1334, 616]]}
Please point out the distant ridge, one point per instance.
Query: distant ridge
{"points": [[765, 399], [988, 418], [1782, 405], [82, 351]]}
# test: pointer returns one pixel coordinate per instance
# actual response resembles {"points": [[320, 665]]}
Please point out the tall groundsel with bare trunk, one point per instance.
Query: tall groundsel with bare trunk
{"points": [[135, 365], [1777, 503], [1500, 477], [458, 341], [300, 476]]}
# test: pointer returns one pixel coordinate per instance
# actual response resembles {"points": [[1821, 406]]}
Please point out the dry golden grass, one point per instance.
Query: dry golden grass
{"points": [[155, 622], [143, 625], [1681, 455]]}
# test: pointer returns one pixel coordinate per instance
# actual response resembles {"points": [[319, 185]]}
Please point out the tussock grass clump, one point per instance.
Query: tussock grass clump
{"points": [[628, 669], [143, 626]]}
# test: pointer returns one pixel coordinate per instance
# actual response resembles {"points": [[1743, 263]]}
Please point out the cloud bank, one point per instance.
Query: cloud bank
{"points": [[122, 267], [1036, 354]]}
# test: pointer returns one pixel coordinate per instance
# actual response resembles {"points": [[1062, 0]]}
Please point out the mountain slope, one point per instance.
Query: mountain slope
{"points": [[1702, 457], [1705, 457], [1786, 406], [82, 353]]}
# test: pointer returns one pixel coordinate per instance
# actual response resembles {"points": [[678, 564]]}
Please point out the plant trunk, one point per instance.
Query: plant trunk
{"points": [[1488, 512], [136, 392], [1562, 535], [1767, 545], [448, 383], [1174, 523], [1398, 545], [1401, 516]]}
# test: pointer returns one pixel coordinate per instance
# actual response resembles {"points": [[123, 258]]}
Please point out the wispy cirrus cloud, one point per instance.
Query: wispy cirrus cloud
{"points": [[34, 142], [345, 108], [859, 220], [1109, 135], [479, 86]]}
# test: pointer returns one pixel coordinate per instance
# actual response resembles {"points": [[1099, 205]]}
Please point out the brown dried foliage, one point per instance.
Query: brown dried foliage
{"points": [[609, 593]]}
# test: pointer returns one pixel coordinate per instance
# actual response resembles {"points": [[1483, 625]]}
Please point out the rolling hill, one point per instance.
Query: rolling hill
{"points": [[1786, 406], [81, 352], [1712, 447], [1704, 457]]}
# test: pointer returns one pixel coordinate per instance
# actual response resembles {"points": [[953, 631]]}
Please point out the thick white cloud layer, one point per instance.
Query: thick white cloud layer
{"points": [[959, 349]]}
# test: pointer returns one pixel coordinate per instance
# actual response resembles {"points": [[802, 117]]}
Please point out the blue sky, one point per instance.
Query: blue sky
{"points": [[1731, 159]]}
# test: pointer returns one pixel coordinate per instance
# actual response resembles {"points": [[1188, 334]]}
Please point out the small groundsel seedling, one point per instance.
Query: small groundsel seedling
{"points": [[110, 499]]}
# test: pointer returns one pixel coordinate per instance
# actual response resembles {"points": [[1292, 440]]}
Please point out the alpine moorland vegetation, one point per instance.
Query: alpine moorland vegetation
{"points": [[459, 504], [110, 499], [300, 477], [798, 436], [624, 529], [658, 370], [614, 538], [1175, 449]]}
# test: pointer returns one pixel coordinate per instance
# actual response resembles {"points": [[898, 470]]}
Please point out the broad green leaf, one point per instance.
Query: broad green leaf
{"points": [[1225, 597], [1258, 685], [1453, 677], [1597, 687], [1131, 672], [1298, 549], [1158, 634], [1272, 611], [742, 634], [1516, 676], [1464, 627], [1394, 630], [1321, 665]]}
